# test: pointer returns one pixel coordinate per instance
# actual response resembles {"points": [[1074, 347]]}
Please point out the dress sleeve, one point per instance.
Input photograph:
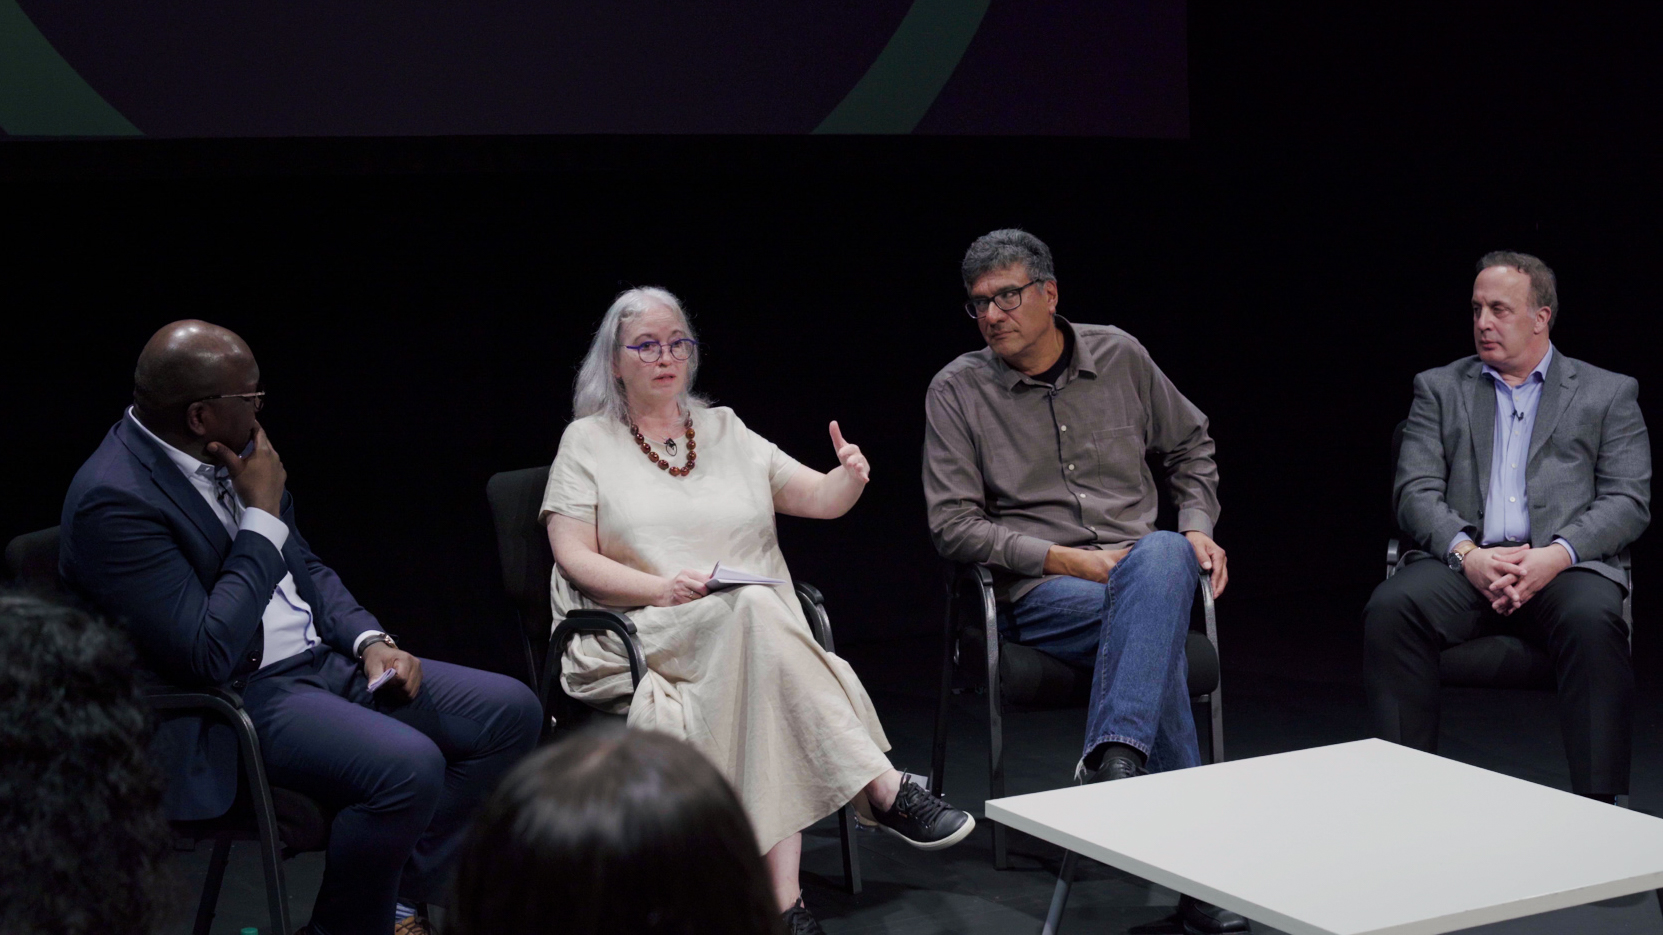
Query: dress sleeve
{"points": [[571, 490], [781, 466]]}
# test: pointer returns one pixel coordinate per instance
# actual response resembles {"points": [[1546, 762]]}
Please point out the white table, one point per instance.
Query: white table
{"points": [[1363, 837]]}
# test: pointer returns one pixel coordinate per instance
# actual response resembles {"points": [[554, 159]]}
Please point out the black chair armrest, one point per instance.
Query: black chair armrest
{"points": [[593, 621], [584, 621], [223, 702], [1209, 611], [227, 706], [814, 608]]}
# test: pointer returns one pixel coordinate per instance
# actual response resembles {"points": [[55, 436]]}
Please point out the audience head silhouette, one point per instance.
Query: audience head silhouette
{"points": [[619, 831], [82, 837]]}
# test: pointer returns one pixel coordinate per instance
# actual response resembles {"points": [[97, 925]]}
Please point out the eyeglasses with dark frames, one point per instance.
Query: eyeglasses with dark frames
{"points": [[257, 399], [1006, 299], [651, 351]]}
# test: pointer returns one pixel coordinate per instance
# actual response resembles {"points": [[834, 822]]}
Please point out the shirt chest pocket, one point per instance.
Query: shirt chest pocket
{"points": [[1119, 454]]}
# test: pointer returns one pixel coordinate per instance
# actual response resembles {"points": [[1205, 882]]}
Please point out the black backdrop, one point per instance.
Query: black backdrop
{"points": [[418, 305]]}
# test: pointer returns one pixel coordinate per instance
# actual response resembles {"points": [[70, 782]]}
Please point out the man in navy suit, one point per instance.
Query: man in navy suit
{"points": [[179, 525]]}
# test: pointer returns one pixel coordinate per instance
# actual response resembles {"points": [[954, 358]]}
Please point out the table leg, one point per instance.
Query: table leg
{"points": [[1059, 898]]}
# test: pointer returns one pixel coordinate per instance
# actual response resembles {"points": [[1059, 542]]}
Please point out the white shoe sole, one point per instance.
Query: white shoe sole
{"points": [[946, 842]]}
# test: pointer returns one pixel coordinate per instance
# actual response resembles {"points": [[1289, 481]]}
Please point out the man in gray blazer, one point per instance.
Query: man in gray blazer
{"points": [[1523, 474]]}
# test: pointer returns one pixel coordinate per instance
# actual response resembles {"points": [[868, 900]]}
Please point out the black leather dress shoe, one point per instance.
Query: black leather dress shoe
{"points": [[799, 921], [1112, 768], [924, 821], [1201, 918]]}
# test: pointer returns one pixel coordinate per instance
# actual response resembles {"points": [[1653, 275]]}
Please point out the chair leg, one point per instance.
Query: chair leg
{"points": [[938, 745], [210, 887], [271, 860], [1215, 733], [851, 849], [1059, 896], [995, 749]]}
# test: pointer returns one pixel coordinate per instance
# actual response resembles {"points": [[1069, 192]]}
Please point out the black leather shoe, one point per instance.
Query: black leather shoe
{"points": [[799, 921], [1112, 768], [924, 821], [1201, 918]]}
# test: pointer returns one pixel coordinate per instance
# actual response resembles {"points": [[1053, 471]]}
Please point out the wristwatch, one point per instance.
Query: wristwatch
{"points": [[378, 638], [1456, 559]]}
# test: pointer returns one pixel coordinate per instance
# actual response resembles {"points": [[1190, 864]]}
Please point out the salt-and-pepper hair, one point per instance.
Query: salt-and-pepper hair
{"points": [[998, 249], [1544, 286], [597, 388]]}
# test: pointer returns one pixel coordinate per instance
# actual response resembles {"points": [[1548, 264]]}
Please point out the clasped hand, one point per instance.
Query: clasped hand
{"points": [[407, 669], [1509, 577]]}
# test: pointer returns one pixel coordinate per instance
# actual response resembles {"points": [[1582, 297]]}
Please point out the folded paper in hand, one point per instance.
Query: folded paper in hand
{"points": [[732, 577]]}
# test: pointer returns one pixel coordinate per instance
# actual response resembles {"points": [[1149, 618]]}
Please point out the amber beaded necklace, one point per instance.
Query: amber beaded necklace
{"points": [[664, 464]]}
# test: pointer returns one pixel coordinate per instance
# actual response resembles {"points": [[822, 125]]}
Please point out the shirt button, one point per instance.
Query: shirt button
{"points": [[1512, 499], [1071, 467], [1082, 496], [1063, 427]]}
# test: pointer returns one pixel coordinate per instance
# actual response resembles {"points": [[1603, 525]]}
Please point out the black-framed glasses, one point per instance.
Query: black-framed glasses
{"points": [[1006, 299], [257, 399], [651, 351]]}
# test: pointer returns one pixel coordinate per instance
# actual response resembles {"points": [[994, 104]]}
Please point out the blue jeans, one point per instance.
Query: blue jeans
{"points": [[1132, 632]]}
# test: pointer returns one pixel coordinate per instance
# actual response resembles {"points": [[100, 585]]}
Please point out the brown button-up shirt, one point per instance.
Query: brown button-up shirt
{"points": [[1012, 467]]}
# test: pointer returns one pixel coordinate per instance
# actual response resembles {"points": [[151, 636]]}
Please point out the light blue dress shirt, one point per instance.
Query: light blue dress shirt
{"points": [[1507, 504]]}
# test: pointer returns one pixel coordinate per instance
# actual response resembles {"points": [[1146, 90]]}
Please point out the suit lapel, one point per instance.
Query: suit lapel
{"points": [[1557, 390], [167, 476], [1481, 402]]}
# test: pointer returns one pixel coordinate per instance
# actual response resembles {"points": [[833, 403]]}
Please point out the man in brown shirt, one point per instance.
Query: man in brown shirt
{"points": [[1034, 464]]}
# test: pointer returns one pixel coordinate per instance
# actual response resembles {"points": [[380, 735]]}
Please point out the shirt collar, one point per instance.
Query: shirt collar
{"points": [[1079, 364], [186, 463], [1540, 374]]}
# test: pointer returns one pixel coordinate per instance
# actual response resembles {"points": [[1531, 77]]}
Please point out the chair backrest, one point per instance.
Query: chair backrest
{"points": [[527, 561], [1391, 484], [32, 560]]}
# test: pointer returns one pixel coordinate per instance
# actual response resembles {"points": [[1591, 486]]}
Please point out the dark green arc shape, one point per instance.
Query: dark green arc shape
{"points": [[904, 80], [40, 93]]}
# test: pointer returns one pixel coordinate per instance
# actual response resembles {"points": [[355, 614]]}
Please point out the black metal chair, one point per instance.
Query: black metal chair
{"points": [[516, 498], [282, 821], [1496, 660], [1018, 677]]}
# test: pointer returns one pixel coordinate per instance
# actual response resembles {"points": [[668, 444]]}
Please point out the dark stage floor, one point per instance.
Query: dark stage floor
{"points": [[959, 891]]}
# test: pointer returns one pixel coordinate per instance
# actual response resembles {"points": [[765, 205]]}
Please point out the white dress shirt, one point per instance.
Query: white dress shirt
{"points": [[287, 619]]}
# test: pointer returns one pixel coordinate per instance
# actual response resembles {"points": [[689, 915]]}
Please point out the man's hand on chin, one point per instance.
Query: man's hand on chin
{"points": [[407, 669], [1536, 567]]}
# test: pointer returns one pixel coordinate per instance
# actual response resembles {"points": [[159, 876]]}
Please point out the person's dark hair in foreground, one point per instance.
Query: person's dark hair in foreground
{"points": [[82, 837], [614, 831]]}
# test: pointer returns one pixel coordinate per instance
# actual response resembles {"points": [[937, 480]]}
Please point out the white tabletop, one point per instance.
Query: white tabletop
{"points": [[1363, 837]]}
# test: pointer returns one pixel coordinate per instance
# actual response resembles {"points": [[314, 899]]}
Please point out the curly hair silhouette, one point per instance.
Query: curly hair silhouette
{"points": [[83, 842]]}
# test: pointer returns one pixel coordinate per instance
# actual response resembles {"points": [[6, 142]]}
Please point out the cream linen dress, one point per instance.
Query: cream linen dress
{"points": [[737, 673]]}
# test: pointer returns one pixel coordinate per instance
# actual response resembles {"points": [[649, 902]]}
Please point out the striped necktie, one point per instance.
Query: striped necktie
{"points": [[228, 498]]}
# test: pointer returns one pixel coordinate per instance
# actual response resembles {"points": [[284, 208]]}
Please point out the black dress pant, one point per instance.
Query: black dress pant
{"points": [[1426, 608]]}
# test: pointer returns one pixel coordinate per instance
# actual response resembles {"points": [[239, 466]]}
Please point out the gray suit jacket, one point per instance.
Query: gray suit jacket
{"points": [[1589, 473]]}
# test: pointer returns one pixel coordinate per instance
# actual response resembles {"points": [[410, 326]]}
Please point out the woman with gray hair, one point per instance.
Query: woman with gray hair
{"points": [[652, 488]]}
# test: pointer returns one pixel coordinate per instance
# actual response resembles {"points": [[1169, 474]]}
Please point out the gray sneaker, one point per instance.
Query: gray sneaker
{"points": [[924, 821]]}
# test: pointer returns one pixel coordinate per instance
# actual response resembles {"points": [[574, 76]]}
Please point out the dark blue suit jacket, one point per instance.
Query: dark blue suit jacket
{"points": [[142, 543]]}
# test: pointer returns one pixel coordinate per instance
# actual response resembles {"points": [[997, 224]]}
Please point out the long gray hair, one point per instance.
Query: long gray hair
{"points": [[596, 388]]}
